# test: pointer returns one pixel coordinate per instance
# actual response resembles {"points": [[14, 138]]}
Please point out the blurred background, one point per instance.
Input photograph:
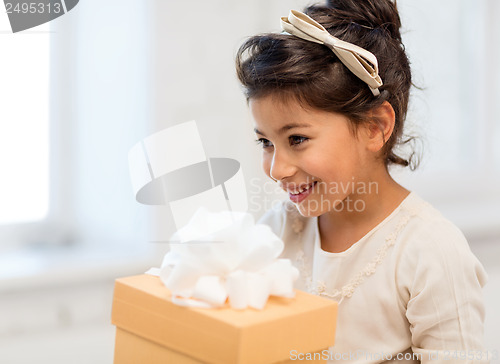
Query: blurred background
{"points": [[77, 93]]}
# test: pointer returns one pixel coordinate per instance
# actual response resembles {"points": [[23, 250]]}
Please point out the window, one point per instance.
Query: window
{"points": [[24, 124]]}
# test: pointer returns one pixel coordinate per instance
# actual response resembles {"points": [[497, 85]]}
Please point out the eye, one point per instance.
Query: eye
{"points": [[265, 143], [297, 140]]}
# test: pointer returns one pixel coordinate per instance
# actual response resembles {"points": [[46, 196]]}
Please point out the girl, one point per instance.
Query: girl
{"points": [[329, 97]]}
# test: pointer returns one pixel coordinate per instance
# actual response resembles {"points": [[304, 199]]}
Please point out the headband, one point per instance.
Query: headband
{"points": [[358, 60]]}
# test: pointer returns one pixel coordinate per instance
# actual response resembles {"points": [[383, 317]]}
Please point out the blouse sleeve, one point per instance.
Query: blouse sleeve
{"points": [[443, 283]]}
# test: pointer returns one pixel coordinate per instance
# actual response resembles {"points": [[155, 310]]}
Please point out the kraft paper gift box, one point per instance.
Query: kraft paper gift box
{"points": [[151, 329]]}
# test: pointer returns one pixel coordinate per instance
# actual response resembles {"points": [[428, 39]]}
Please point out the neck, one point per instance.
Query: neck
{"points": [[360, 212]]}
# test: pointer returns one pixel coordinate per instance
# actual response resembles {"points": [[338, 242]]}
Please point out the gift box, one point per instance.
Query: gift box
{"points": [[151, 329]]}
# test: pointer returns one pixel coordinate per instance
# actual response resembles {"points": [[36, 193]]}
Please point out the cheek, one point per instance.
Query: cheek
{"points": [[324, 169], [333, 164]]}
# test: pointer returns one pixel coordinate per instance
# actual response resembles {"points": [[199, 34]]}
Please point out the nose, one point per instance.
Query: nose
{"points": [[282, 166]]}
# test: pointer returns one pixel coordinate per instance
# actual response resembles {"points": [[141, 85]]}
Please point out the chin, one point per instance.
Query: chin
{"points": [[315, 208], [309, 211]]}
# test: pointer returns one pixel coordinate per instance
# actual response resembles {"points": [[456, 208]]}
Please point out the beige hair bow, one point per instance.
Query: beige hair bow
{"points": [[359, 61]]}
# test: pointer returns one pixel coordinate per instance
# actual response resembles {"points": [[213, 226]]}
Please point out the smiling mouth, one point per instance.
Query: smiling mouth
{"points": [[302, 194], [303, 189]]}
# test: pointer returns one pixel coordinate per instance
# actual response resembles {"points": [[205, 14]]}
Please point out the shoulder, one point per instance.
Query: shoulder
{"points": [[432, 245], [282, 217], [429, 232]]}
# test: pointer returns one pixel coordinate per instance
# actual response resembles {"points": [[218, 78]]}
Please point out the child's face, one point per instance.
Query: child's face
{"points": [[323, 151]]}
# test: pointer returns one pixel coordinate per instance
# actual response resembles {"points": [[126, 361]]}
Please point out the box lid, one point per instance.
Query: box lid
{"points": [[142, 305]]}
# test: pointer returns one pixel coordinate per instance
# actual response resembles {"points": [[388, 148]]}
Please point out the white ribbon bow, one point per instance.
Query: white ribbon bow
{"points": [[359, 61], [225, 254]]}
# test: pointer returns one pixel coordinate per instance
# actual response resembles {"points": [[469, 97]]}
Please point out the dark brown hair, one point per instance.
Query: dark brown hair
{"points": [[289, 67]]}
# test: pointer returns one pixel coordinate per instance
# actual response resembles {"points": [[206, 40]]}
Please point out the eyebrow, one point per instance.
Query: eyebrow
{"points": [[285, 128]]}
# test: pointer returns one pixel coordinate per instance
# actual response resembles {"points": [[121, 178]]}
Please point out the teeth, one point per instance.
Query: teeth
{"points": [[302, 190]]}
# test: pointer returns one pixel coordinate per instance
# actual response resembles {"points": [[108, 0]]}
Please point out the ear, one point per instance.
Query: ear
{"points": [[380, 126]]}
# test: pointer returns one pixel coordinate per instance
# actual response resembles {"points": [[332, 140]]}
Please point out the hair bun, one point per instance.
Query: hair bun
{"points": [[371, 14]]}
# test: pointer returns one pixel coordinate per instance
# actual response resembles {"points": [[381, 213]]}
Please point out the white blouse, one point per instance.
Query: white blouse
{"points": [[409, 289]]}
